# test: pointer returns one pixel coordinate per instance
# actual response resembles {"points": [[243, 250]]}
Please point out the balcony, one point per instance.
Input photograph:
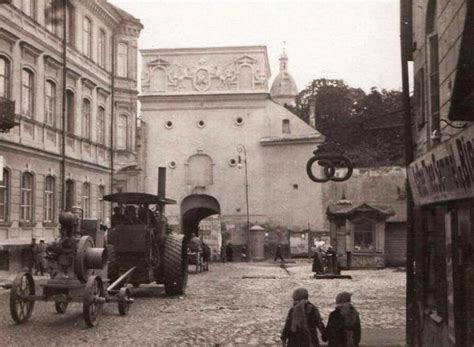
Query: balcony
{"points": [[7, 115]]}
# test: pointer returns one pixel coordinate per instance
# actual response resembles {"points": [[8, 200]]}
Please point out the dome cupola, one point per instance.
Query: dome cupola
{"points": [[284, 88]]}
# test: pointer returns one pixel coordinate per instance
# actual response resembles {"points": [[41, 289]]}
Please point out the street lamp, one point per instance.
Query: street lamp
{"points": [[241, 149]]}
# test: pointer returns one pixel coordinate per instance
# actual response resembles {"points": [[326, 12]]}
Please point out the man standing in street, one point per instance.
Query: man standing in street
{"points": [[40, 253], [29, 255], [229, 253], [279, 253]]}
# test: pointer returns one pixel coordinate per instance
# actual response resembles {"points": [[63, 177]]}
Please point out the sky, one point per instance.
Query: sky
{"points": [[354, 40]]}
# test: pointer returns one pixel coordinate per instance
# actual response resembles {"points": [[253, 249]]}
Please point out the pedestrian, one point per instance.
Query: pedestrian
{"points": [[223, 250], [244, 254], [195, 244], [229, 253], [279, 253], [317, 260], [343, 329], [29, 255], [302, 322], [40, 253]]}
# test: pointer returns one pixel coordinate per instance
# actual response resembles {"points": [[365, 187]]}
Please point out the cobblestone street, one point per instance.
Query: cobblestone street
{"points": [[233, 304]]}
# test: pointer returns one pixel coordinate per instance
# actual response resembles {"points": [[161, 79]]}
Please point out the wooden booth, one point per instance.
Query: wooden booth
{"points": [[358, 233]]}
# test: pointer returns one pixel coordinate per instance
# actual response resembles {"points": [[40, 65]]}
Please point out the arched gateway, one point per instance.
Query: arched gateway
{"points": [[196, 207]]}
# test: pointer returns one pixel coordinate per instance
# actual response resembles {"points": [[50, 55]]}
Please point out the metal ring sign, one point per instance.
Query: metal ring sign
{"points": [[329, 163]]}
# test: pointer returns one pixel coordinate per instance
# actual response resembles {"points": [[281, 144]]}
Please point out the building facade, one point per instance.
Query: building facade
{"points": [[229, 148], [367, 216], [440, 303], [54, 160]]}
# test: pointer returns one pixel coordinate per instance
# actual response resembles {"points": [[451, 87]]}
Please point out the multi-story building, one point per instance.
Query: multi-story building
{"points": [[75, 110], [230, 149], [440, 272]]}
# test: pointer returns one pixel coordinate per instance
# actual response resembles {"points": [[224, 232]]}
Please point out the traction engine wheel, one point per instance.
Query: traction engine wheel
{"points": [[20, 307], [61, 307], [175, 265], [94, 297], [112, 266], [123, 301]]}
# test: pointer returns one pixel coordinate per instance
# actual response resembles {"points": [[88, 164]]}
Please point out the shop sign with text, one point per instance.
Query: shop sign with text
{"points": [[445, 173]]}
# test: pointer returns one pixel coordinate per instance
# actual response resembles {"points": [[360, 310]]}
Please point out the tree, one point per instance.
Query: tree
{"points": [[366, 127]]}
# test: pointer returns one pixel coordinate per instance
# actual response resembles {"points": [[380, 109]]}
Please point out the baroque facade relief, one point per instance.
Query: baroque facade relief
{"points": [[167, 75]]}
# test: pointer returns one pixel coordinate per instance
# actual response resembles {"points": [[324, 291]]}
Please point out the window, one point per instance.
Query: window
{"points": [[101, 48], [433, 66], [50, 103], [122, 132], [87, 37], [69, 195], [28, 7], [101, 203], [285, 126], [27, 96], [49, 199], [71, 25], [86, 119], [26, 206], [364, 238], [86, 199], [420, 97], [69, 111], [51, 16], [122, 60], [4, 196], [4, 78], [101, 126]]}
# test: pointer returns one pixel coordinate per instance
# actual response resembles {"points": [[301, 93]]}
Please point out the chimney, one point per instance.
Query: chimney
{"points": [[162, 186], [312, 111]]}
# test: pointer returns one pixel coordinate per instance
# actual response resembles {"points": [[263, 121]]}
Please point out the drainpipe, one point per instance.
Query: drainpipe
{"points": [[112, 117], [64, 77]]}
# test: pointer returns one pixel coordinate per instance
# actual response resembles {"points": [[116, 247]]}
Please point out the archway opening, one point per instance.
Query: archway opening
{"points": [[195, 208]]}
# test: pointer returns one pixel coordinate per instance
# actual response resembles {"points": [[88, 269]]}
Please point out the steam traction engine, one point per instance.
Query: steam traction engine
{"points": [[74, 265]]}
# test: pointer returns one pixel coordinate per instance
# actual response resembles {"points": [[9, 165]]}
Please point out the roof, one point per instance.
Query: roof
{"points": [[138, 198], [349, 209], [123, 14]]}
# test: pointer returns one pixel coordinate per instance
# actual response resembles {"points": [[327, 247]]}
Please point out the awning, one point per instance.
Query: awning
{"points": [[138, 198]]}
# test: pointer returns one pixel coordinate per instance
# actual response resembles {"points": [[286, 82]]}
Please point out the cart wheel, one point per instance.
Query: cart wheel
{"points": [[94, 297], [20, 307], [123, 301], [61, 307]]}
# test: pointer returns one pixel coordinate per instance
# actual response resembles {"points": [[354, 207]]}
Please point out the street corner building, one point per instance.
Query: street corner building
{"points": [[438, 36], [68, 91], [230, 148]]}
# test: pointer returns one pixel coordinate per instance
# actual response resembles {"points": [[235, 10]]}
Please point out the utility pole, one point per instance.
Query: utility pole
{"points": [[240, 149], [405, 39]]}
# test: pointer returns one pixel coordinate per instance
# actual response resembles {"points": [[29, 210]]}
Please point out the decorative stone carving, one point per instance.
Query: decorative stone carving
{"points": [[162, 76], [202, 79]]}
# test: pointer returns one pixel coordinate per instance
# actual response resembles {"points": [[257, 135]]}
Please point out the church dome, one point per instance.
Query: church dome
{"points": [[284, 85]]}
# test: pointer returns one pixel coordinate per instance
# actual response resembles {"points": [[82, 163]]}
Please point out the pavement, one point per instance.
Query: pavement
{"points": [[234, 304]]}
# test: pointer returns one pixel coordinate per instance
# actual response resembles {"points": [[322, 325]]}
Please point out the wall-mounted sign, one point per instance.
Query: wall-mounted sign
{"points": [[446, 172]]}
